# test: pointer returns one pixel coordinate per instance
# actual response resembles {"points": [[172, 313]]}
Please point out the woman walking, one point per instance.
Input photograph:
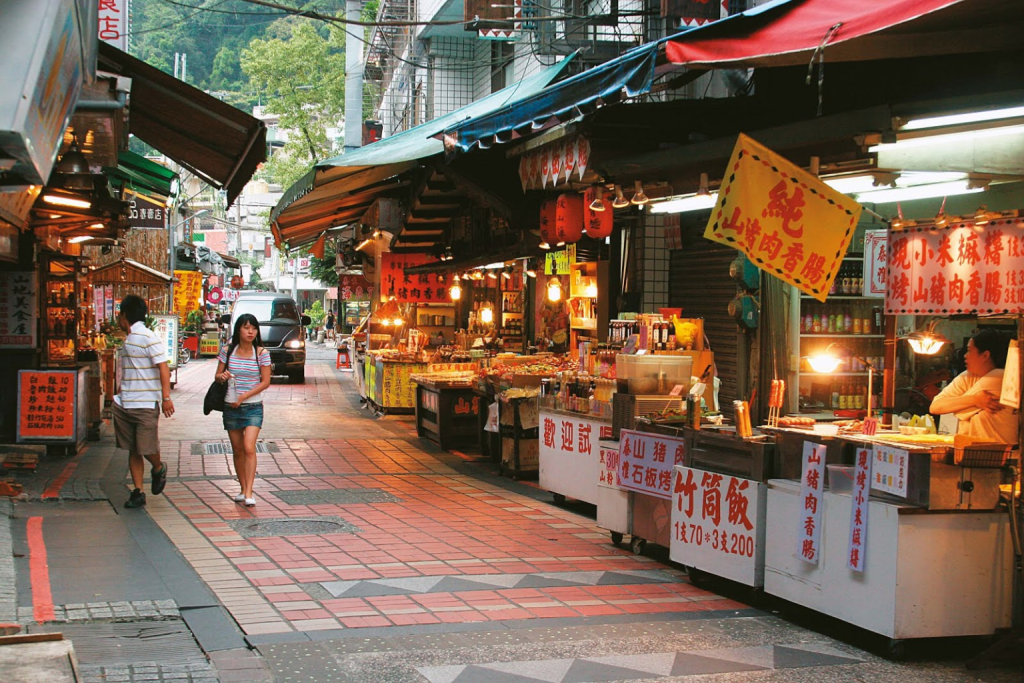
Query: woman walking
{"points": [[245, 364], [330, 326]]}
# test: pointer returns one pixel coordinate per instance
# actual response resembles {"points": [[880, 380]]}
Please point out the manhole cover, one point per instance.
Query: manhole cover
{"points": [[224, 448], [254, 528], [336, 497]]}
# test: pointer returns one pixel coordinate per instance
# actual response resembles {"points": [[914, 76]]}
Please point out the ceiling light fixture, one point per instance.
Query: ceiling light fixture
{"points": [[62, 199], [639, 198], [620, 201], [598, 203], [964, 117], [80, 239]]}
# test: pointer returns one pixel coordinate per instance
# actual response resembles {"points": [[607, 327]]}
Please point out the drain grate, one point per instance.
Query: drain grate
{"points": [[224, 447], [336, 497], [257, 528], [168, 642]]}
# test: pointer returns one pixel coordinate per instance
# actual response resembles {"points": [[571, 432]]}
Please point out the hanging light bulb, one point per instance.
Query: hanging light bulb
{"points": [[399, 322], [530, 272], [598, 203], [703, 190], [639, 198], [981, 216], [456, 291], [487, 314], [545, 246], [620, 199], [554, 290], [507, 273], [591, 290], [493, 274]]}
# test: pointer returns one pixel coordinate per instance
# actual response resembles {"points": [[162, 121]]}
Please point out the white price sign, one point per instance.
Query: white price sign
{"points": [[608, 472], [167, 331], [812, 481], [718, 524], [890, 471], [646, 462]]}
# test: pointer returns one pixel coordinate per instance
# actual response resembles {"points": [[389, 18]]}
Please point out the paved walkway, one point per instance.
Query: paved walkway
{"points": [[372, 556]]}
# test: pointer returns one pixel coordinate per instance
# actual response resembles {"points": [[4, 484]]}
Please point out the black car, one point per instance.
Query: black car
{"points": [[281, 328]]}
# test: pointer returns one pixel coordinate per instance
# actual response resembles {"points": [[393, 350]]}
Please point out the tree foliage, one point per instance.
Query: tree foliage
{"points": [[322, 270]]}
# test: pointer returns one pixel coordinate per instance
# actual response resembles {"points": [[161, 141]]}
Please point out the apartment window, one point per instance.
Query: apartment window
{"points": [[502, 65]]}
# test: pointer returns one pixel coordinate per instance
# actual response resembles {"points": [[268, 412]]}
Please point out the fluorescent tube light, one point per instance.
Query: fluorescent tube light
{"points": [[901, 194], [951, 138], [694, 202], [965, 117]]}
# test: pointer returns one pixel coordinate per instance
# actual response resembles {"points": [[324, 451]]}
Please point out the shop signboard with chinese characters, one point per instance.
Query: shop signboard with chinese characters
{"points": [[718, 524], [856, 551], [148, 214], [167, 331], [811, 503], [646, 462], [889, 470], [18, 326], [354, 288], [48, 406], [113, 23], [876, 270], [569, 455], [187, 290], [422, 288], [788, 222], [959, 269]]}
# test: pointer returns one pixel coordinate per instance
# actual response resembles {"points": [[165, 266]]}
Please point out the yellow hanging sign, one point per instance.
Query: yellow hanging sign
{"points": [[787, 221], [187, 289]]}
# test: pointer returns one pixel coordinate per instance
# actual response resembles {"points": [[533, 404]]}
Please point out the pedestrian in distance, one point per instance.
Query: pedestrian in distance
{"points": [[144, 392], [329, 326], [245, 365]]}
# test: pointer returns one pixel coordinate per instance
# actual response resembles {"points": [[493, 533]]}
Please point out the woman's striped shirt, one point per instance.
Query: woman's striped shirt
{"points": [[246, 371]]}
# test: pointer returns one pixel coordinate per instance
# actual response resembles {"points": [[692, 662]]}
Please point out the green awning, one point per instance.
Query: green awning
{"points": [[138, 173], [338, 191]]}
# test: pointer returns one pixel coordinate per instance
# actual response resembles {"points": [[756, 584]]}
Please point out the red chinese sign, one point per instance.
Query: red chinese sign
{"points": [[857, 549], [788, 222], [876, 266], [46, 405], [407, 288], [812, 482], [716, 524], [113, 23], [646, 462], [957, 269], [354, 288]]}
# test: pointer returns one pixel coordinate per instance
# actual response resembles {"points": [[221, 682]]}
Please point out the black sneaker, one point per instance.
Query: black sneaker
{"points": [[136, 500], [159, 479]]}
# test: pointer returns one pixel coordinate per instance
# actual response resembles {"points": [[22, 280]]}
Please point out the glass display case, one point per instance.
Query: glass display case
{"points": [[352, 314], [60, 305]]}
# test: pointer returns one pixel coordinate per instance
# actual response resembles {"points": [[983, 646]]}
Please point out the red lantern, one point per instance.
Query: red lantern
{"points": [[598, 223], [569, 217], [236, 282], [548, 211]]}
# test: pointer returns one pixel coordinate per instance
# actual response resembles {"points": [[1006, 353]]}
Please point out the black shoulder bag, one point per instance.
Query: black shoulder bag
{"points": [[215, 395]]}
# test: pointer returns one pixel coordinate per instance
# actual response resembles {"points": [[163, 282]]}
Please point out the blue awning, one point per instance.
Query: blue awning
{"points": [[338, 191], [630, 74]]}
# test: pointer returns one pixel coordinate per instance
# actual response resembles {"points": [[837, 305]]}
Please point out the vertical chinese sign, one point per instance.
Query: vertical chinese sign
{"points": [[876, 266], [718, 524], [167, 331], [18, 296], [187, 291], [646, 462], [46, 405], [957, 269], [812, 481], [423, 288], [113, 23], [858, 545], [788, 222]]}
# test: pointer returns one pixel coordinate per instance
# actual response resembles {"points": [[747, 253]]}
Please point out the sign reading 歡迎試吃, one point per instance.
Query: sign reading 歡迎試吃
{"points": [[46, 405], [18, 296], [957, 269], [716, 524], [646, 462], [876, 269], [396, 282], [812, 482], [187, 290], [857, 548], [167, 331], [788, 222], [889, 470]]}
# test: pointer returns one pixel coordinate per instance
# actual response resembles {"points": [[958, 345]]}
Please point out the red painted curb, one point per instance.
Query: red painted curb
{"points": [[53, 490], [39, 571]]}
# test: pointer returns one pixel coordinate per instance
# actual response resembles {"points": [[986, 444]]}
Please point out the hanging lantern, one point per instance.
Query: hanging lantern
{"points": [[569, 217], [598, 223], [548, 213]]}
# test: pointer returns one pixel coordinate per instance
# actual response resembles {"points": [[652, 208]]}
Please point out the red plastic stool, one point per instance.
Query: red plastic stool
{"points": [[344, 360]]}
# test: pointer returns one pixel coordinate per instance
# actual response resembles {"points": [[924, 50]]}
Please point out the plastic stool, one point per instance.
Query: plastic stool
{"points": [[344, 361]]}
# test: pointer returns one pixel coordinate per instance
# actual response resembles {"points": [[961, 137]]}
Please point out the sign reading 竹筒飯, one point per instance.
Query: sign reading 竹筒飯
{"points": [[957, 269], [812, 482], [716, 524], [788, 222], [646, 462]]}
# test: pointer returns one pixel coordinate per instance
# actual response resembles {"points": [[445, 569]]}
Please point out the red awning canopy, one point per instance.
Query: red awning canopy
{"points": [[788, 32]]}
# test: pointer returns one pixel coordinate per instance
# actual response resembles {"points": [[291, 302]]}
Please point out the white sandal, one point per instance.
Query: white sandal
{"points": [[240, 498], [250, 502]]}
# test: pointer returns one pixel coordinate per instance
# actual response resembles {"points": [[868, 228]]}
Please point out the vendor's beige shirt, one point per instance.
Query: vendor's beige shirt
{"points": [[1000, 426]]}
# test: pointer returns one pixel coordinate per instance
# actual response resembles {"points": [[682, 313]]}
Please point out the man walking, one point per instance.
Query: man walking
{"points": [[145, 392]]}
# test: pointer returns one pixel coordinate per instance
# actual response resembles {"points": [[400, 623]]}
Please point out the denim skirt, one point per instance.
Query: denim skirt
{"points": [[245, 415]]}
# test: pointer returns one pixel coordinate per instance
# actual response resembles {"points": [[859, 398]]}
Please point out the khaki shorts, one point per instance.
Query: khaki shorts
{"points": [[136, 429]]}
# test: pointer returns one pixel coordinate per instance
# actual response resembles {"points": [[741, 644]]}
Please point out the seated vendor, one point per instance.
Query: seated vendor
{"points": [[973, 396]]}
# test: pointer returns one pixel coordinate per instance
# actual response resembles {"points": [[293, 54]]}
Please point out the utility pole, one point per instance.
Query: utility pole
{"points": [[353, 77]]}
